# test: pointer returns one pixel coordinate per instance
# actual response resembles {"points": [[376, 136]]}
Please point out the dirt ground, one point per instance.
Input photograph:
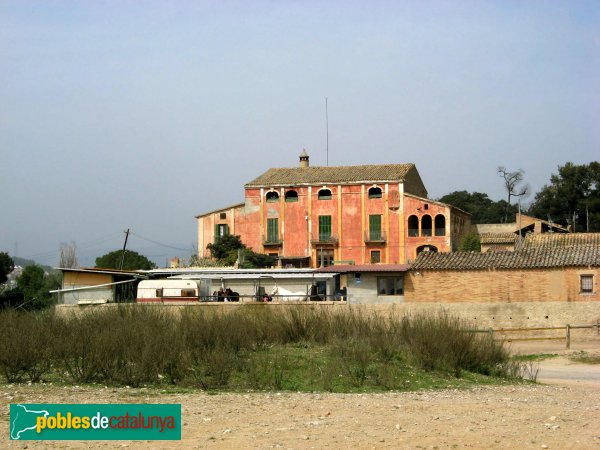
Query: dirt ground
{"points": [[561, 415]]}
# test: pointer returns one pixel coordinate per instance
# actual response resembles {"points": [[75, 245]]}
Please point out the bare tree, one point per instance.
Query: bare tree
{"points": [[68, 255], [512, 181]]}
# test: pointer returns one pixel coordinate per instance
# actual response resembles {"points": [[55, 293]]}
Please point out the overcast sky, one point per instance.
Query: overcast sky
{"points": [[141, 115]]}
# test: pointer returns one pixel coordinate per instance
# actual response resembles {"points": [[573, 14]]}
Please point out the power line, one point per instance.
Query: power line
{"points": [[158, 243]]}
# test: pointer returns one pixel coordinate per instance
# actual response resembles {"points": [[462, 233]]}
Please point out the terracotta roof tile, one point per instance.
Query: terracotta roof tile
{"points": [[523, 259], [553, 240], [329, 175], [497, 238]]}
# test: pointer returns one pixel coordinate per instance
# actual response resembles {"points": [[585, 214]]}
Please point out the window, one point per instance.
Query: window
{"points": [[272, 197], [221, 229], [188, 293], [375, 192], [427, 248], [324, 194], [587, 284], [159, 293], [375, 227], [324, 257], [291, 196], [390, 286], [272, 230], [375, 256], [223, 216], [426, 225], [413, 226], [440, 225], [324, 228]]}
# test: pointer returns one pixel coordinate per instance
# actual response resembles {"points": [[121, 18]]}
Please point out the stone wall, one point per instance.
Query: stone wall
{"points": [[480, 315]]}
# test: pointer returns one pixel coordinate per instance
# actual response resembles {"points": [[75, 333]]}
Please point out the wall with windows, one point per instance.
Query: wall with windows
{"points": [[368, 223], [427, 226], [571, 284], [375, 288]]}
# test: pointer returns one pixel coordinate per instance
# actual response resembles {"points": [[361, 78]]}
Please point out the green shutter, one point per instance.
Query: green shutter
{"points": [[375, 227], [272, 230], [221, 227], [324, 228]]}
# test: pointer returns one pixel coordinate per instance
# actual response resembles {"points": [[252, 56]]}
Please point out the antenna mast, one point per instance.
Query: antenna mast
{"points": [[327, 129]]}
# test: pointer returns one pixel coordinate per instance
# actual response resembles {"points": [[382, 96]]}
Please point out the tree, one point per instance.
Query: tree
{"points": [[512, 180], [68, 256], [480, 206], [35, 285], [470, 242], [133, 261], [253, 260], [7, 265], [227, 248], [572, 197]]}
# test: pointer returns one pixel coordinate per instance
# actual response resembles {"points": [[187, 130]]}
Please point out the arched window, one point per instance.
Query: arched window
{"points": [[375, 192], [426, 225], [440, 225], [413, 226], [272, 197], [324, 194], [427, 248], [291, 196]]}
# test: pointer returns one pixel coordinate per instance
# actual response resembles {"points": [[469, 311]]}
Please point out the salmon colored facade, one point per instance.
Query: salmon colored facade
{"points": [[318, 218]]}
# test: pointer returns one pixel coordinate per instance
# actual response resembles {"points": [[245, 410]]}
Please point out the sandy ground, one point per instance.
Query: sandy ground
{"points": [[565, 414]]}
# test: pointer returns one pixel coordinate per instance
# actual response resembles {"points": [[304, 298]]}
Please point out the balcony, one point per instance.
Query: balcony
{"points": [[325, 240], [375, 237], [272, 241]]}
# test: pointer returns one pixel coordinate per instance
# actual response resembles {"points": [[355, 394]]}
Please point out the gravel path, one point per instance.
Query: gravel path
{"points": [[514, 416]]}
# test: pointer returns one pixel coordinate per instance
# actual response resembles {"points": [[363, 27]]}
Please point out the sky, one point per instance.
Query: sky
{"points": [[140, 115]]}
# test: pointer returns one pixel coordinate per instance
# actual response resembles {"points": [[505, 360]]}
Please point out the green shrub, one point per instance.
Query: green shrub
{"points": [[25, 345], [295, 347]]}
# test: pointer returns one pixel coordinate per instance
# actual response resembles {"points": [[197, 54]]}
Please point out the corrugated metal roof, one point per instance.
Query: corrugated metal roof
{"points": [[522, 259], [100, 271], [331, 175], [248, 276]]}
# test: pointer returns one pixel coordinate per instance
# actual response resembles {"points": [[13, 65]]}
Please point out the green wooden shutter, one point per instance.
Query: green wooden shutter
{"points": [[272, 230], [375, 227], [324, 228]]}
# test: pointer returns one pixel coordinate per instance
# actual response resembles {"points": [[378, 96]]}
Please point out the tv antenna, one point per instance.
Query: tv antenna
{"points": [[327, 129]]}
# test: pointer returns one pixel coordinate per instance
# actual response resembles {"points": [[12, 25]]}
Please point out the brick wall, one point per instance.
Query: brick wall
{"points": [[539, 285]]}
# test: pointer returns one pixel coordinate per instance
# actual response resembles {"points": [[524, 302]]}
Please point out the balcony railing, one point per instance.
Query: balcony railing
{"points": [[272, 241], [375, 237], [325, 240]]}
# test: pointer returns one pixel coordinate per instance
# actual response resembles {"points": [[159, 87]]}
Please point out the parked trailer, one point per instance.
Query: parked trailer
{"points": [[167, 291]]}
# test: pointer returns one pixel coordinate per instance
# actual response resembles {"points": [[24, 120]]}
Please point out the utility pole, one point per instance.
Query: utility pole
{"points": [[124, 246]]}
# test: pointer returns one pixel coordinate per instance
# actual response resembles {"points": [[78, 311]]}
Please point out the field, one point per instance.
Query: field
{"points": [[290, 383]]}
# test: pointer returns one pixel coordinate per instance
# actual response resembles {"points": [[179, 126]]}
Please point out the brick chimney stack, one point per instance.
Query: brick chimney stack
{"points": [[304, 158]]}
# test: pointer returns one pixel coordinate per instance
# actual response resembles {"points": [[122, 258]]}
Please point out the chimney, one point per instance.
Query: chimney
{"points": [[304, 158]]}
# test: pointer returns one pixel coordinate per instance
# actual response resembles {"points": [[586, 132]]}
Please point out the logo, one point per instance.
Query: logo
{"points": [[95, 422]]}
